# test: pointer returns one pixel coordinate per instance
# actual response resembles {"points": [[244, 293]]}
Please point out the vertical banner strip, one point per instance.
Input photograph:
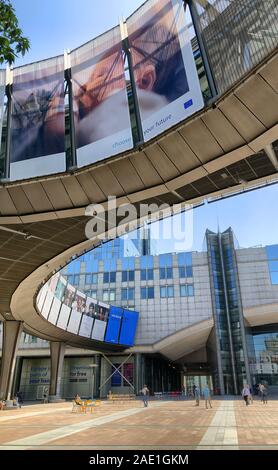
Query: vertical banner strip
{"points": [[100, 100], [166, 78], [38, 119], [2, 95]]}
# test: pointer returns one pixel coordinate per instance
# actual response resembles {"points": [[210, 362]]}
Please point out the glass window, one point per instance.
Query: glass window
{"points": [[272, 252], [183, 291], [169, 272], [146, 262], [150, 274], [163, 292], [274, 277], [124, 294], [109, 295], [147, 292], [124, 276], [143, 293], [190, 288], [106, 277], [113, 276], [70, 279], [182, 271], [94, 279], [112, 295], [93, 294], [170, 291], [105, 295], [189, 271], [165, 260], [273, 265], [109, 277], [76, 280], [130, 293], [143, 274], [150, 291], [88, 279], [166, 273]]}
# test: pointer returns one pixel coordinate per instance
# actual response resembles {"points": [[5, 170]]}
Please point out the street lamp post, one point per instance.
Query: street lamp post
{"points": [[93, 367]]}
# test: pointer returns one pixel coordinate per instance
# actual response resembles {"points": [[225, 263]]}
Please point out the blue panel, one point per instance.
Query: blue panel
{"points": [[114, 324], [128, 330], [272, 251]]}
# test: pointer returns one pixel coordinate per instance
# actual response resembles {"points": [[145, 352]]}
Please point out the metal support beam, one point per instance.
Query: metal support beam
{"points": [[195, 21], [116, 369]]}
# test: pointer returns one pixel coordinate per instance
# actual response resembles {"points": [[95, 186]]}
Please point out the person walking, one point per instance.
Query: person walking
{"points": [[19, 399], [207, 396], [246, 394], [264, 394], [197, 396], [145, 392]]}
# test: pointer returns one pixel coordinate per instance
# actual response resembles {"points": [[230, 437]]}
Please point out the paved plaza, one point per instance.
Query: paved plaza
{"points": [[230, 424]]}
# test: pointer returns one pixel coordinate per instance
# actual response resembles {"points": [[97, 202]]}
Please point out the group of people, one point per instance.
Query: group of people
{"points": [[206, 394], [17, 401], [248, 396]]}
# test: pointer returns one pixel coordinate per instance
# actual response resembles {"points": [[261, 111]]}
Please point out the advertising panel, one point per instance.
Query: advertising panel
{"points": [[91, 312], [99, 330], [101, 112], [74, 322], [2, 95], [64, 316], [41, 297], [47, 304], [114, 324], [163, 64], [129, 325], [60, 288], [38, 119]]}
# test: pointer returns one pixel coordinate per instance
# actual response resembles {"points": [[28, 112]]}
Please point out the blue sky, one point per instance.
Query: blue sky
{"points": [[55, 25]]}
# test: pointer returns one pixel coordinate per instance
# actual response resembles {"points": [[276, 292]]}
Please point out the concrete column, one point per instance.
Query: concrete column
{"points": [[57, 353], [97, 376], [138, 382], [11, 336]]}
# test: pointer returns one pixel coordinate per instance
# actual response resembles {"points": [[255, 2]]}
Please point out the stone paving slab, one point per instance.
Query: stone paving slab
{"points": [[163, 425]]}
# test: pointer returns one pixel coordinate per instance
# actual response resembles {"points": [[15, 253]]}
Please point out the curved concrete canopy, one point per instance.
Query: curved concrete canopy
{"points": [[261, 314], [218, 150]]}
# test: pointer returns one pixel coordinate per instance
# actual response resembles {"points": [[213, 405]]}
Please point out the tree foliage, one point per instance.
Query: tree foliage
{"points": [[12, 41]]}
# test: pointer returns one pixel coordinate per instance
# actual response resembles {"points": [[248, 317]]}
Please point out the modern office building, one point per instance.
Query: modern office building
{"points": [[203, 316]]}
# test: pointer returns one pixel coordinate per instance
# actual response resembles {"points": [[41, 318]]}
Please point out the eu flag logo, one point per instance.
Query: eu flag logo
{"points": [[188, 104]]}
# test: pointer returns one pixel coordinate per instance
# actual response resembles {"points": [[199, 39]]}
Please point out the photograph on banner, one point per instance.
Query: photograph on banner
{"points": [[79, 302], [60, 288], [53, 282], [100, 323], [164, 69], [88, 317], [100, 102], [2, 96], [38, 119], [69, 295]]}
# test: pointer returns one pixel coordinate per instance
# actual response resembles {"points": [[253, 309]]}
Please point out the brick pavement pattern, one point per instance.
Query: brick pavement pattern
{"points": [[163, 425]]}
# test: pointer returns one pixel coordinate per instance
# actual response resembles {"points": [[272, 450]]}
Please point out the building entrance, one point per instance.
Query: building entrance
{"points": [[199, 380]]}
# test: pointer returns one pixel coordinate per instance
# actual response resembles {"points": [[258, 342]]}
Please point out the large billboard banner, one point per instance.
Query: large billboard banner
{"points": [[163, 64], [101, 112], [114, 325], [2, 95], [38, 119]]}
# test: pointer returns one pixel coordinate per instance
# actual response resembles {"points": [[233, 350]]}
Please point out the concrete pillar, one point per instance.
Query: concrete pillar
{"points": [[57, 353], [97, 376], [11, 336], [138, 379]]}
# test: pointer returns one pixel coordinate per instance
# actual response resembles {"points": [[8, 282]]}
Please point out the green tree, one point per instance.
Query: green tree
{"points": [[12, 41]]}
